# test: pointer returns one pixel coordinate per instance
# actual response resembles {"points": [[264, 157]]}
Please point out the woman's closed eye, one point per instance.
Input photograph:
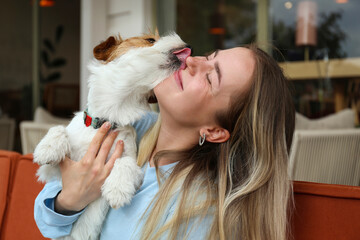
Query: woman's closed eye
{"points": [[208, 74]]}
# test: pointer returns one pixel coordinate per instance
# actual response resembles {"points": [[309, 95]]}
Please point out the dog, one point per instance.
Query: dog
{"points": [[123, 74]]}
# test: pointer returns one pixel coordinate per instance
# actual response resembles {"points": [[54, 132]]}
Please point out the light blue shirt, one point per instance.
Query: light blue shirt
{"points": [[122, 223]]}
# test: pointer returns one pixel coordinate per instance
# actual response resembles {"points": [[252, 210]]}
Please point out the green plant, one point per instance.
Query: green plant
{"points": [[50, 60]]}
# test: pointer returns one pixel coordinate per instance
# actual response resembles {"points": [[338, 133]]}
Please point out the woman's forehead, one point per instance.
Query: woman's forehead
{"points": [[241, 60], [239, 52]]}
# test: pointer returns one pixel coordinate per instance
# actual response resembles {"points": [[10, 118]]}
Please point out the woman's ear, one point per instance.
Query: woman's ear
{"points": [[215, 134]]}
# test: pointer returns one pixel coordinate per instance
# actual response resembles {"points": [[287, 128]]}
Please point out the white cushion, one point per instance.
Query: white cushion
{"points": [[340, 120], [43, 116]]}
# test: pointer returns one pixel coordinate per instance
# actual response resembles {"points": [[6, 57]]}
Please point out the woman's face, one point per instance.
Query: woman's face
{"points": [[191, 97]]}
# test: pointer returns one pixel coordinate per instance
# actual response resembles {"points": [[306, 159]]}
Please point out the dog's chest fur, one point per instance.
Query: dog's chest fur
{"points": [[80, 137]]}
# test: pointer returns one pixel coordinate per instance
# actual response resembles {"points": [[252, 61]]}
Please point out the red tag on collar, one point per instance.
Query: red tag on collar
{"points": [[88, 120]]}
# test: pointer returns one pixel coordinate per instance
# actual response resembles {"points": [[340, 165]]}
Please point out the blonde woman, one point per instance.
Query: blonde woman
{"points": [[215, 162]]}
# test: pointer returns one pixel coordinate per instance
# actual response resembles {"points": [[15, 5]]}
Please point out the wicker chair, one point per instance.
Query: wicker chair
{"points": [[32, 132], [326, 156]]}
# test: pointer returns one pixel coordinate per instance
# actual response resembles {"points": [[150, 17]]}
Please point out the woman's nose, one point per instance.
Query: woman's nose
{"points": [[195, 64]]}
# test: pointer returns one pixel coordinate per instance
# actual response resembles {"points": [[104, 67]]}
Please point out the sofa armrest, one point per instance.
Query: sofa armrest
{"points": [[22, 188], [4, 184], [326, 211]]}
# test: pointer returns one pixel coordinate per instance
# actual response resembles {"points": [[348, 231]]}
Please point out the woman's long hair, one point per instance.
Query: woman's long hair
{"points": [[242, 183]]}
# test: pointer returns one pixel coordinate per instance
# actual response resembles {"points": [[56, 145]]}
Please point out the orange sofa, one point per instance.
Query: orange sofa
{"points": [[322, 211], [18, 190], [326, 211]]}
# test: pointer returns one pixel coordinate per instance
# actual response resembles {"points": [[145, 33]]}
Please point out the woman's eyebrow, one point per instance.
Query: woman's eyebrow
{"points": [[207, 55], [218, 72], [216, 53], [217, 68]]}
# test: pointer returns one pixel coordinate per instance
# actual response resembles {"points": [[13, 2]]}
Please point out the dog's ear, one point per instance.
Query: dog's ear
{"points": [[104, 49]]}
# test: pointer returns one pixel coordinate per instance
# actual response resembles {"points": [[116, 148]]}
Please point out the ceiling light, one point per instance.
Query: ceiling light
{"points": [[47, 3], [288, 5]]}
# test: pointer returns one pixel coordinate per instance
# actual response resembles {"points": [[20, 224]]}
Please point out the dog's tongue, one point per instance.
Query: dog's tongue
{"points": [[182, 55]]}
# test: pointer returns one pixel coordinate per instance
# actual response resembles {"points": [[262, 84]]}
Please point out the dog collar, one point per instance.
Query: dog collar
{"points": [[96, 122]]}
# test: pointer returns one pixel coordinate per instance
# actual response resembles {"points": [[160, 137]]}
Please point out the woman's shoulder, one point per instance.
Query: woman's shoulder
{"points": [[144, 123]]}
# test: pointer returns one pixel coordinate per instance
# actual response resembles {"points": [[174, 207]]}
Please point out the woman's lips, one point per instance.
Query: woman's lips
{"points": [[178, 80]]}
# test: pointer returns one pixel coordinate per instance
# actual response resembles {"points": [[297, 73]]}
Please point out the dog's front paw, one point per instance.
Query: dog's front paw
{"points": [[47, 173], [53, 147], [122, 183]]}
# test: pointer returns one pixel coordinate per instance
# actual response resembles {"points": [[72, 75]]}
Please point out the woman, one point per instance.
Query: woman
{"points": [[219, 150]]}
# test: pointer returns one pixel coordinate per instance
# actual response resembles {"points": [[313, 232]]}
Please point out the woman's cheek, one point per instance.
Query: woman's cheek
{"points": [[163, 89], [198, 86]]}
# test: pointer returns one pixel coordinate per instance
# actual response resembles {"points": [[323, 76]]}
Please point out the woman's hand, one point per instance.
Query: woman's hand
{"points": [[82, 181]]}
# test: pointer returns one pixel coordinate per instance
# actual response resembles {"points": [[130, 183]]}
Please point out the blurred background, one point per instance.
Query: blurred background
{"points": [[47, 44]]}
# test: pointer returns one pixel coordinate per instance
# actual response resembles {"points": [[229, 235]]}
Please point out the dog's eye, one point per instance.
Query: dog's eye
{"points": [[150, 40]]}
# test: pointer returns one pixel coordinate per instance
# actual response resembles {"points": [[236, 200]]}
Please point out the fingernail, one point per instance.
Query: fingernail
{"points": [[114, 133], [107, 125], [121, 142]]}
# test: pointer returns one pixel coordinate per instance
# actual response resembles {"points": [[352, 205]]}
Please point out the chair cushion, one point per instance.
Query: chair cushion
{"points": [[340, 120]]}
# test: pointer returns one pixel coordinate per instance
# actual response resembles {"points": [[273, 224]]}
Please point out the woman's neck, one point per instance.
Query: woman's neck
{"points": [[173, 138]]}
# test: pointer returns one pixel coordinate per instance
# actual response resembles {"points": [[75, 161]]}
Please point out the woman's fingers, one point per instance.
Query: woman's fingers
{"points": [[119, 148], [97, 140], [82, 180], [106, 146]]}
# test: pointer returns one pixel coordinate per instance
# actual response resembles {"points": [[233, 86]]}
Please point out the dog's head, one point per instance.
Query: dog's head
{"points": [[115, 46], [128, 70]]}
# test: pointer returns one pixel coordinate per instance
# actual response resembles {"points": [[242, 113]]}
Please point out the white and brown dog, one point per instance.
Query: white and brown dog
{"points": [[122, 76]]}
